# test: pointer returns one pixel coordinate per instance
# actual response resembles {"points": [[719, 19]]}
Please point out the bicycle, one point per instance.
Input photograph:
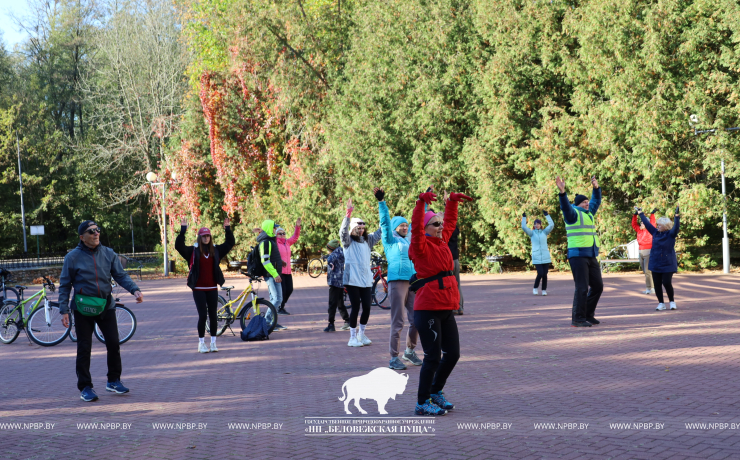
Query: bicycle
{"points": [[257, 306], [380, 285], [6, 277], [317, 266], [43, 324], [125, 319]]}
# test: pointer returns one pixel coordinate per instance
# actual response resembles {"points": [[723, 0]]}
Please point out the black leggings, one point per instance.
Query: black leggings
{"points": [[665, 279], [287, 286], [359, 295], [441, 343], [541, 275], [207, 303]]}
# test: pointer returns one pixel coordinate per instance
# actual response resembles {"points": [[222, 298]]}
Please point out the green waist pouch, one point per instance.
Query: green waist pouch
{"points": [[90, 306]]}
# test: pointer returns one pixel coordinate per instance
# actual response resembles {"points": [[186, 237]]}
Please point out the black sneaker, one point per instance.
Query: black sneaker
{"points": [[580, 324], [593, 320], [283, 311], [330, 328]]}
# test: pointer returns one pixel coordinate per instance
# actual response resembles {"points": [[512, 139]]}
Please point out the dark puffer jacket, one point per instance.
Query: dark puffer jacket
{"points": [[193, 253]]}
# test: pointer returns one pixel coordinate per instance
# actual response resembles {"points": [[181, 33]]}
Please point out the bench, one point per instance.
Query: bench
{"points": [[622, 254]]}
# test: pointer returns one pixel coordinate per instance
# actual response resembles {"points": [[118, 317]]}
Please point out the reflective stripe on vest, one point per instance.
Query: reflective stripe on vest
{"points": [[582, 233]]}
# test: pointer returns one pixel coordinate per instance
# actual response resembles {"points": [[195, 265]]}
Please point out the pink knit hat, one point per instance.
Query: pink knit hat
{"points": [[428, 216]]}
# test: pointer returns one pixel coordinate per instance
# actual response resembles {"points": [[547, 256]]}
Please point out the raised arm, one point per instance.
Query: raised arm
{"points": [[418, 239], [569, 214], [635, 224], [385, 224], [180, 246], [344, 233], [648, 226], [550, 224], [450, 219], [595, 202], [229, 243], [676, 225], [526, 229]]}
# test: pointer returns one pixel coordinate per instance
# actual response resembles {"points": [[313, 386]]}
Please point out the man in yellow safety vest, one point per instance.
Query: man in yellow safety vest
{"points": [[583, 249]]}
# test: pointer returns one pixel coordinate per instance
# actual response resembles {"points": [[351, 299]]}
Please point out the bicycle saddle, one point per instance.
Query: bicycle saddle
{"points": [[20, 288], [227, 288]]}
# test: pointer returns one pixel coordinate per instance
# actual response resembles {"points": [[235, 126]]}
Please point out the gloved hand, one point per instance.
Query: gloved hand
{"points": [[544, 212], [459, 197], [677, 213], [654, 211], [379, 194], [428, 197], [639, 210], [524, 214], [635, 211]]}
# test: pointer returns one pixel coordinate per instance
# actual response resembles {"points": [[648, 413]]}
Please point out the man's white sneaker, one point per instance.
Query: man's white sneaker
{"points": [[202, 348], [365, 341], [661, 306], [544, 292], [647, 291], [534, 291], [354, 342], [213, 347], [673, 306]]}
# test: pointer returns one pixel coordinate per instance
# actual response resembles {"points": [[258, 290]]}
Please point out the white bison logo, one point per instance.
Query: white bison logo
{"points": [[380, 384]]}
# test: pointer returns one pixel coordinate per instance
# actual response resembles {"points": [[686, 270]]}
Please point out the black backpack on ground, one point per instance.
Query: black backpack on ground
{"points": [[254, 263], [256, 330]]}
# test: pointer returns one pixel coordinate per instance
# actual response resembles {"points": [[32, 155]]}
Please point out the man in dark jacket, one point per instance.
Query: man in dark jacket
{"points": [[88, 269], [583, 249]]}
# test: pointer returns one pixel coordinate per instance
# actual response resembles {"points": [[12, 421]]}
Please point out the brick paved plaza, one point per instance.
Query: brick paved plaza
{"points": [[527, 386]]}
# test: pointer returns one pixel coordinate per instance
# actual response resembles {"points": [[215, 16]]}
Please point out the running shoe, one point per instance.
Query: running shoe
{"points": [[363, 338], [661, 306], [283, 311], [354, 342], [544, 292], [214, 348], [116, 387], [279, 328], [647, 291], [673, 306], [396, 364], [88, 395], [412, 358], [202, 348], [345, 327], [534, 291], [440, 400], [593, 320], [429, 408], [580, 324], [330, 328]]}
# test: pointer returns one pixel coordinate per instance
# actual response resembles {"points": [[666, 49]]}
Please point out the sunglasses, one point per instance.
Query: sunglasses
{"points": [[360, 223], [281, 234], [93, 231], [437, 224]]}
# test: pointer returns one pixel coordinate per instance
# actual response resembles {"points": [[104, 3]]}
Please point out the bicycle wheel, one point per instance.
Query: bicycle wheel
{"points": [[223, 317], [9, 319], [11, 294], [126, 324], [267, 310], [315, 268], [380, 293], [45, 326]]}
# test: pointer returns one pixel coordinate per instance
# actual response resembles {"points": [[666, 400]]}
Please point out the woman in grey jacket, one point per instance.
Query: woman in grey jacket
{"points": [[358, 279], [540, 252]]}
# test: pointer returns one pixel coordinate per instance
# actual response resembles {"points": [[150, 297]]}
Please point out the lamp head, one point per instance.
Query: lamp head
{"points": [[151, 176], [693, 120]]}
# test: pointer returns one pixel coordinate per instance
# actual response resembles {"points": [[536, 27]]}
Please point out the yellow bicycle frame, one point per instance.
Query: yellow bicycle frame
{"points": [[243, 298]]}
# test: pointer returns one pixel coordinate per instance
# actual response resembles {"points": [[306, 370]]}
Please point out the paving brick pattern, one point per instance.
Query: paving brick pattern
{"points": [[522, 364]]}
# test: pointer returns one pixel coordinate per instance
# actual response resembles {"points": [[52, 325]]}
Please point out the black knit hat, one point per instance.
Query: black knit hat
{"points": [[83, 226], [579, 199]]}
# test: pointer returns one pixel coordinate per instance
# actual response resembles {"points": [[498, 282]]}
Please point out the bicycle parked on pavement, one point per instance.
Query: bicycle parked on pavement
{"points": [[380, 285], [8, 293], [41, 321], [125, 319], [317, 266], [244, 308]]}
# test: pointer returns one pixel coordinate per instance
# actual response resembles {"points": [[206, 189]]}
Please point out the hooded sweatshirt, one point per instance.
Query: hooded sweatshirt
{"points": [[269, 251], [89, 271], [396, 246], [357, 254], [284, 246]]}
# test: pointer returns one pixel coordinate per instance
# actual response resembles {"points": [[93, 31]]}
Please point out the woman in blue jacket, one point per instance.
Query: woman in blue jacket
{"points": [[663, 261], [540, 252]]}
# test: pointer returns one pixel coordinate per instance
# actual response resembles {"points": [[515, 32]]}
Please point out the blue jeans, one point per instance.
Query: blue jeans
{"points": [[276, 292]]}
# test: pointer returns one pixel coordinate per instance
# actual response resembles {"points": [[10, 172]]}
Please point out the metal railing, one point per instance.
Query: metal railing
{"points": [[54, 260]]}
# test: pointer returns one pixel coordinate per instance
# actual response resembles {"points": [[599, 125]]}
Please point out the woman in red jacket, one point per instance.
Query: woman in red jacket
{"points": [[437, 298], [645, 241]]}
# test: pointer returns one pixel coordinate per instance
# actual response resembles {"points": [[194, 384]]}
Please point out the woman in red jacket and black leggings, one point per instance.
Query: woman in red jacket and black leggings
{"points": [[437, 298]]}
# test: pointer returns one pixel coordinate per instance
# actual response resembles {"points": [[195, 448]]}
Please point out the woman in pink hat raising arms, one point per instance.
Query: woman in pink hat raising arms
{"points": [[205, 274]]}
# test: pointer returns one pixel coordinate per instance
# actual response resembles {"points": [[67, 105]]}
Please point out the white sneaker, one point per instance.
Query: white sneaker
{"points": [[647, 291], [534, 291], [652, 291], [202, 348], [673, 306], [213, 347], [544, 292], [365, 341], [661, 307], [354, 342]]}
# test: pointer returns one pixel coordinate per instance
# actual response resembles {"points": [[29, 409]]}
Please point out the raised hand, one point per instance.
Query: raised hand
{"points": [[560, 183], [654, 211], [350, 208], [379, 194], [544, 212], [184, 221], [298, 222], [594, 182], [227, 222], [524, 214], [678, 214], [428, 197], [459, 197]]}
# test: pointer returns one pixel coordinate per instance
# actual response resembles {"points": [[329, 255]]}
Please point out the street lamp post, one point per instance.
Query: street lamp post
{"points": [[152, 177], [693, 121]]}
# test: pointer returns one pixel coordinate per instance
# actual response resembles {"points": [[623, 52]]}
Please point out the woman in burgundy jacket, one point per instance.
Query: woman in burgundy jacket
{"points": [[437, 298]]}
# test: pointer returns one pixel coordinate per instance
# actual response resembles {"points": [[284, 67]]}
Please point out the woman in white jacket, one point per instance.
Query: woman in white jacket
{"points": [[357, 245], [540, 252]]}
